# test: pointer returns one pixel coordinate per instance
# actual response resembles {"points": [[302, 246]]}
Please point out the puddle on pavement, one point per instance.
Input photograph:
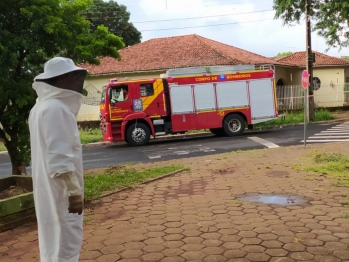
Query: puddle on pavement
{"points": [[285, 200]]}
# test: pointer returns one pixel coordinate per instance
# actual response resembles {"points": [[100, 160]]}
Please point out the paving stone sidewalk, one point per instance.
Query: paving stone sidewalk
{"points": [[196, 216]]}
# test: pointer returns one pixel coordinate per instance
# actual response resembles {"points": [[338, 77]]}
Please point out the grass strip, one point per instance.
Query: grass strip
{"points": [[90, 136], [293, 118], [121, 176], [329, 164]]}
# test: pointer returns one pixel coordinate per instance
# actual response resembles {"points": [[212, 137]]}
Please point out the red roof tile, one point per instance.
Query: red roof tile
{"points": [[175, 52], [244, 56], [299, 59]]}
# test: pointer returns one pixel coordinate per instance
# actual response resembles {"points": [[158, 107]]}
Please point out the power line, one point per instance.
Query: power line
{"points": [[162, 1], [208, 4], [97, 8], [191, 18], [174, 28], [198, 17]]}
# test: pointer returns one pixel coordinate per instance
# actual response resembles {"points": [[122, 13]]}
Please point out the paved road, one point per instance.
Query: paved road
{"points": [[103, 156]]}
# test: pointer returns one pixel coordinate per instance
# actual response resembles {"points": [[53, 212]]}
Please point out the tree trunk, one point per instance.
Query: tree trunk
{"points": [[17, 167], [16, 141]]}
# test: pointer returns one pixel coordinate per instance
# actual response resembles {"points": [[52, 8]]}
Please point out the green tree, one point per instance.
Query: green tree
{"points": [[116, 18], [31, 32], [330, 18], [284, 54]]}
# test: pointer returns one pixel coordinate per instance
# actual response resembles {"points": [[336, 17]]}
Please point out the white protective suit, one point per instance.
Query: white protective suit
{"points": [[56, 150]]}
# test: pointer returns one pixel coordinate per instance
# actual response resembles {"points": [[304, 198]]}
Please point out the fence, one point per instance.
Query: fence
{"points": [[291, 97], [346, 93], [92, 98]]}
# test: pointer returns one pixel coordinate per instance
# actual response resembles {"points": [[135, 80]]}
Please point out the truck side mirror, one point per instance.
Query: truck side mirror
{"points": [[109, 94]]}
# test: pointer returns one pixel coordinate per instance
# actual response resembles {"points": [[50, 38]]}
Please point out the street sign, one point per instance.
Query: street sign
{"points": [[305, 79], [305, 84]]}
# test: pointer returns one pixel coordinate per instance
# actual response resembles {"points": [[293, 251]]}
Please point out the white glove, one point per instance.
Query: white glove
{"points": [[71, 184]]}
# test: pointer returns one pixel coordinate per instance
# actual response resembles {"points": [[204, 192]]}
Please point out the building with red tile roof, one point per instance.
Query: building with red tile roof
{"points": [[160, 54], [151, 58], [299, 59]]}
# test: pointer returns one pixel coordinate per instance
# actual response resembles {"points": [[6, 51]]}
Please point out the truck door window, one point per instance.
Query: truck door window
{"points": [[147, 89], [119, 94]]}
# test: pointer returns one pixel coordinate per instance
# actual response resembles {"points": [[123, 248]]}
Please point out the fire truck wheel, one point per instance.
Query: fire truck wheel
{"points": [[217, 131], [138, 134], [234, 125]]}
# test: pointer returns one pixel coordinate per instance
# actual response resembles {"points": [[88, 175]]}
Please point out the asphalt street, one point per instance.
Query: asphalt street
{"points": [[109, 155]]}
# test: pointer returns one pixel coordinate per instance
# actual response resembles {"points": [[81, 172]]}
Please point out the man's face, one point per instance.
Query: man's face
{"points": [[72, 81]]}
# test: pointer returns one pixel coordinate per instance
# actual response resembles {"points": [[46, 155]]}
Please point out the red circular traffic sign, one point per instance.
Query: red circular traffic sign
{"points": [[305, 79]]}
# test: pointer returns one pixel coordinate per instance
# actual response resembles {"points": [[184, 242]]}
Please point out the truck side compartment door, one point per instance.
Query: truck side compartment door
{"points": [[205, 105], [262, 99], [232, 95], [182, 107]]}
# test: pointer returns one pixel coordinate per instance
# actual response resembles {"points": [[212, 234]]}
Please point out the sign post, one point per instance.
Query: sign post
{"points": [[305, 84]]}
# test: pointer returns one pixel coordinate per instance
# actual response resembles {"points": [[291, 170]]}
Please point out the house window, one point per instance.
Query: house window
{"points": [[347, 79], [316, 83], [147, 89]]}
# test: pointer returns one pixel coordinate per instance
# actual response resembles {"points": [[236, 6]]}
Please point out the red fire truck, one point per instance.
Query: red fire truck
{"points": [[223, 99]]}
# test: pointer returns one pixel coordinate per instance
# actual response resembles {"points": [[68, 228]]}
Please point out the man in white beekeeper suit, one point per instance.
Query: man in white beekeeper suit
{"points": [[57, 160]]}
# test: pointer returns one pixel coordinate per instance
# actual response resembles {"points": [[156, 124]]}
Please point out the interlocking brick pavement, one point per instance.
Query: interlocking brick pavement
{"points": [[194, 216]]}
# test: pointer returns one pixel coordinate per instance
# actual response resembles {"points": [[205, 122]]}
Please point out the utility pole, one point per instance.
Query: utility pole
{"points": [[309, 64]]}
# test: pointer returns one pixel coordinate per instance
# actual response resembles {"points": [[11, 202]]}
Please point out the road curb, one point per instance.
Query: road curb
{"points": [[301, 124], [143, 183], [96, 144], [161, 138]]}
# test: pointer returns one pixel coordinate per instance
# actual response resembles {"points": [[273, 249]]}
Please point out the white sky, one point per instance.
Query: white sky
{"points": [[267, 37]]}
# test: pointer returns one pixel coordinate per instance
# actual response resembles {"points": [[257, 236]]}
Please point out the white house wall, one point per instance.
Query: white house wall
{"points": [[289, 75], [331, 92]]}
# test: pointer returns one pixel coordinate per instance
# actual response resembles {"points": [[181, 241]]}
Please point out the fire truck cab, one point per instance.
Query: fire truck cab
{"points": [[224, 99]]}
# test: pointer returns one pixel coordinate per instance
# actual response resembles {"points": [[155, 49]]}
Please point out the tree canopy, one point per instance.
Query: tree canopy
{"points": [[284, 54], [31, 32], [116, 18], [329, 17]]}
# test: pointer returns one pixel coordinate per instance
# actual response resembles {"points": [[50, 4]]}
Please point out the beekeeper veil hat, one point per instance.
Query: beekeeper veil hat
{"points": [[61, 72]]}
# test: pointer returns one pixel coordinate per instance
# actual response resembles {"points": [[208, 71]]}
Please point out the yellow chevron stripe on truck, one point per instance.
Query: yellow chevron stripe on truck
{"points": [[158, 89]]}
